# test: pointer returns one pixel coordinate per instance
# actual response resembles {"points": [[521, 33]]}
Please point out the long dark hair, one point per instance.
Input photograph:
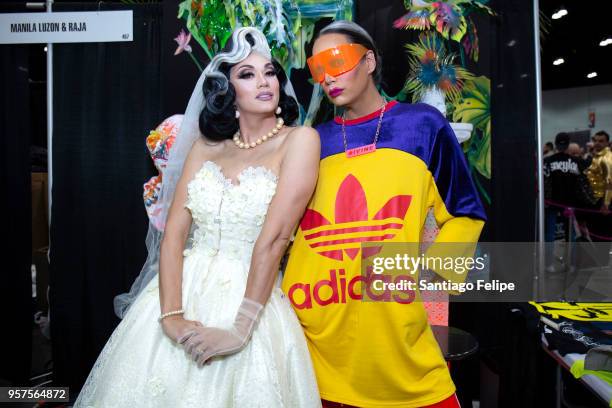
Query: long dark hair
{"points": [[217, 120]]}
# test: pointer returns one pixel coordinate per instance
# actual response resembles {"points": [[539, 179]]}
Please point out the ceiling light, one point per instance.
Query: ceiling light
{"points": [[592, 75], [560, 13], [558, 61], [45, 48], [605, 42]]}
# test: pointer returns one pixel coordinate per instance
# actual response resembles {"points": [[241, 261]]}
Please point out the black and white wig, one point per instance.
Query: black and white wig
{"points": [[217, 120], [210, 113]]}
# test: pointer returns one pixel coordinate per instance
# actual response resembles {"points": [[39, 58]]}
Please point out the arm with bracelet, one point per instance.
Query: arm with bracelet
{"points": [[297, 180], [171, 253]]}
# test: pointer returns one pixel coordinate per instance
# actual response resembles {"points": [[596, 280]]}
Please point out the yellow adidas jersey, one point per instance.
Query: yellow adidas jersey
{"points": [[377, 354]]}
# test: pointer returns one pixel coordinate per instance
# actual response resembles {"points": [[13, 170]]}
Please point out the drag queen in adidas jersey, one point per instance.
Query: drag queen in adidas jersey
{"points": [[383, 166], [213, 329]]}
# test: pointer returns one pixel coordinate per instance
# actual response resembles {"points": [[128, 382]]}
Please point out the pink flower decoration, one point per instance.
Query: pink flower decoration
{"points": [[401, 22], [416, 19], [183, 42]]}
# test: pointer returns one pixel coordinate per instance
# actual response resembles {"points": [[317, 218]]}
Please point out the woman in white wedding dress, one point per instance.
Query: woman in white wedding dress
{"points": [[213, 329]]}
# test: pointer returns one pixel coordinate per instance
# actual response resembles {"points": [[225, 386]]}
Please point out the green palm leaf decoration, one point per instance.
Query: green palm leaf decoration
{"points": [[475, 108], [211, 23]]}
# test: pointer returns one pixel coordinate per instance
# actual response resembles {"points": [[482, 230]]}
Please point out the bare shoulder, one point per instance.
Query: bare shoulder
{"points": [[302, 151], [303, 137], [303, 134], [203, 149], [200, 151], [203, 146]]}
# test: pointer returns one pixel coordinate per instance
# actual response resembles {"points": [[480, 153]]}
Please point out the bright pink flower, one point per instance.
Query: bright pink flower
{"points": [[183, 42]]}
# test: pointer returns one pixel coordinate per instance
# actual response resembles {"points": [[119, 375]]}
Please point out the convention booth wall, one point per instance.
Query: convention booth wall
{"points": [[109, 95]]}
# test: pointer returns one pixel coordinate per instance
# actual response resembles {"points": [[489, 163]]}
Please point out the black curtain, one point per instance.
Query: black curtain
{"points": [[16, 208], [107, 98], [506, 346], [377, 18], [179, 73]]}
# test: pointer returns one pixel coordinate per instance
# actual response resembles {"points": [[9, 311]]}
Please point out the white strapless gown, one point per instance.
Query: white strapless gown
{"points": [[141, 367]]}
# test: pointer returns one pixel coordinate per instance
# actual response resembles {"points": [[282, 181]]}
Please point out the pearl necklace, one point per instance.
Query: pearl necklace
{"points": [[243, 145]]}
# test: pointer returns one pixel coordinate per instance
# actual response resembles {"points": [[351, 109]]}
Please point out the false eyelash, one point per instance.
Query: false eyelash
{"points": [[244, 75], [247, 74]]}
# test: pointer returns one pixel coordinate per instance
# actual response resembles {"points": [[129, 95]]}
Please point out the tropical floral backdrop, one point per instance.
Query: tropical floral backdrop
{"points": [[448, 39], [438, 61]]}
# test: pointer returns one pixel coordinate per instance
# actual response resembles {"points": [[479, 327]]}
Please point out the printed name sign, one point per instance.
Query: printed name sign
{"points": [[66, 27]]}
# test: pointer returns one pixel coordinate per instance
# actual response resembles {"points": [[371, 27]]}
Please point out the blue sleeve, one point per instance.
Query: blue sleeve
{"points": [[452, 175]]}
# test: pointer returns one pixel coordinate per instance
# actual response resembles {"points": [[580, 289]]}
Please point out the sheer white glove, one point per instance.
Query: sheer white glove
{"points": [[178, 328], [208, 342]]}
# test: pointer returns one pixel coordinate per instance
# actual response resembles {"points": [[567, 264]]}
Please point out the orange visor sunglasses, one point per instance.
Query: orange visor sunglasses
{"points": [[335, 61]]}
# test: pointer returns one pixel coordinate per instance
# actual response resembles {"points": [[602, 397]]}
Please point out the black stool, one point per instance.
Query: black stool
{"points": [[456, 344]]}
